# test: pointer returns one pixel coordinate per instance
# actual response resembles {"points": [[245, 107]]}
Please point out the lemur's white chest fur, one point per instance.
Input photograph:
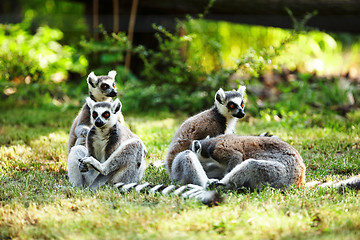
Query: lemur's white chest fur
{"points": [[100, 142], [230, 125]]}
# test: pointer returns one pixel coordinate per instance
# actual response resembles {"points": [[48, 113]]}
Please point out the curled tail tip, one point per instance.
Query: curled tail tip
{"points": [[158, 164]]}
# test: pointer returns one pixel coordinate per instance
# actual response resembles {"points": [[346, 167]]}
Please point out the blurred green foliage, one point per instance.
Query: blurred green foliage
{"points": [[168, 82], [177, 76], [221, 44], [105, 54], [183, 72], [65, 15], [38, 57], [33, 66], [306, 96]]}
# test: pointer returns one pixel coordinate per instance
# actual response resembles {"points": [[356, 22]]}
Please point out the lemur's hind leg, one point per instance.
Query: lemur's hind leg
{"points": [[74, 165], [126, 164], [254, 174], [100, 180], [186, 168]]}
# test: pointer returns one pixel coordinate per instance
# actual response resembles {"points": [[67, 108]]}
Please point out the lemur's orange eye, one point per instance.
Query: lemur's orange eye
{"points": [[106, 114], [94, 115], [113, 85], [232, 106], [242, 105]]}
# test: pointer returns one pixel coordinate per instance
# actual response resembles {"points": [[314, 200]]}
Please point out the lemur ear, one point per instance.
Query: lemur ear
{"points": [[241, 90], [90, 102], [112, 74], [116, 106], [196, 146], [220, 96], [92, 79], [207, 137]]}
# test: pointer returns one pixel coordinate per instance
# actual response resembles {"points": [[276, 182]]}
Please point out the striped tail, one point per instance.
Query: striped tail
{"points": [[210, 198], [351, 183]]}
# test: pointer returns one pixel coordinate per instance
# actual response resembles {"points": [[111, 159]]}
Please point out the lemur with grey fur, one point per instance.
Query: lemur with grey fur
{"points": [[221, 118], [114, 154], [240, 162], [246, 162], [101, 89]]}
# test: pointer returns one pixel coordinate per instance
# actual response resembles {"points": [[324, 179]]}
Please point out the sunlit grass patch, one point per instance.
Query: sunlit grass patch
{"points": [[46, 153], [155, 132], [37, 200]]}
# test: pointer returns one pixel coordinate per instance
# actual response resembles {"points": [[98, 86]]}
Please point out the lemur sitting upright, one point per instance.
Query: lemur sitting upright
{"points": [[114, 154], [220, 119], [101, 89], [240, 162]]}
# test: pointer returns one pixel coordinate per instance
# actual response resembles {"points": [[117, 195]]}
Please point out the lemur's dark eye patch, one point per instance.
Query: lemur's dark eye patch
{"points": [[106, 114], [113, 85], [104, 86], [94, 114], [231, 105]]}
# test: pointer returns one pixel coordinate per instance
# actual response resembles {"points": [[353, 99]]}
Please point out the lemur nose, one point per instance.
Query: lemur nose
{"points": [[113, 93], [240, 114], [99, 123]]}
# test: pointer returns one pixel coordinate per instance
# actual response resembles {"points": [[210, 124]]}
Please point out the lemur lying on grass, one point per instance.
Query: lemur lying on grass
{"points": [[240, 162]]}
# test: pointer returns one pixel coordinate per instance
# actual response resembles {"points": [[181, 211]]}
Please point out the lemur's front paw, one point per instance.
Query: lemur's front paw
{"points": [[83, 167], [84, 132], [91, 163], [214, 183], [81, 131]]}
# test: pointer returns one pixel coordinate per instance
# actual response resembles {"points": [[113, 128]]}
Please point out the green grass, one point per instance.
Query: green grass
{"points": [[37, 201]]}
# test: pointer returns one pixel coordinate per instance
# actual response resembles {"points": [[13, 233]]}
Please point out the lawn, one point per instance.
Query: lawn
{"points": [[37, 201]]}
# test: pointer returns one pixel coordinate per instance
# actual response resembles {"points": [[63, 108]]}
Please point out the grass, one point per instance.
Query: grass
{"points": [[37, 201]]}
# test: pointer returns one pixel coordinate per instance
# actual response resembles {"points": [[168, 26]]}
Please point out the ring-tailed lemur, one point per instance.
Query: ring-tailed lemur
{"points": [[246, 162], [101, 89], [113, 154], [220, 119], [209, 198], [240, 162]]}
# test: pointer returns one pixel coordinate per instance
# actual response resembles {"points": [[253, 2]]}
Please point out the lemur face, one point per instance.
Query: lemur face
{"points": [[231, 103], [197, 147], [102, 87], [104, 114]]}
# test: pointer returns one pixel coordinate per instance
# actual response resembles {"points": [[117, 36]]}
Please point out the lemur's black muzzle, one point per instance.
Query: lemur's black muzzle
{"points": [[113, 93], [99, 123], [240, 114]]}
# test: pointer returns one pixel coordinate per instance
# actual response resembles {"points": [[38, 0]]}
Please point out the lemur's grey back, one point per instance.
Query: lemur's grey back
{"points": [[224, 148]]}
